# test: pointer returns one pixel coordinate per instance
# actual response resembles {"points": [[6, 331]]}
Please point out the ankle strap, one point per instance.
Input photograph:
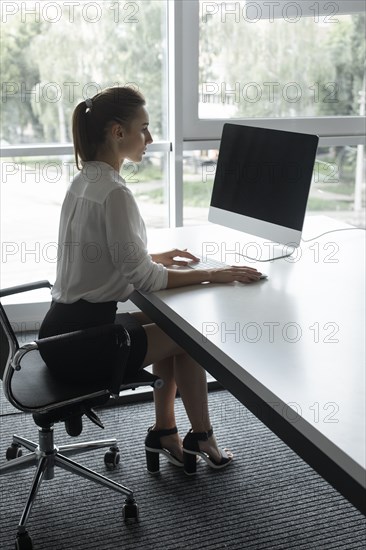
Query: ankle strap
{"points": [[201, 436], [162, 433]]}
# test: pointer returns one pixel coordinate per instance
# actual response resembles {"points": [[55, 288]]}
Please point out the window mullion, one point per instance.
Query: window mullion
{"points": [[175, 76]]}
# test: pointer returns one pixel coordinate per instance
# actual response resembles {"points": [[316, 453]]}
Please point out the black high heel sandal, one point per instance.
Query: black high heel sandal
{"points": [[153, 449], [191, 451]]}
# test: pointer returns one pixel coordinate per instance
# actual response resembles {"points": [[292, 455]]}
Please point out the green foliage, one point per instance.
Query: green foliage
{"points": [[345, 50], [282, 69], [315, 204], [64, 62], [196, 193], [140, 173], [19, 76], [56, 65]]}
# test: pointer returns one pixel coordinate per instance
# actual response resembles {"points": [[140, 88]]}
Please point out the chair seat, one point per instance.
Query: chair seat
{"points": [[34, 388]]}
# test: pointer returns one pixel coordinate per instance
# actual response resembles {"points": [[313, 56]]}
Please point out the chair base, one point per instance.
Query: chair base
{"points": [[45, 456]]}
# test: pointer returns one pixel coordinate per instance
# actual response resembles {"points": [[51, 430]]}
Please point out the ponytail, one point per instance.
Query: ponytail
{"points": [[83, 142], [92, 117]]}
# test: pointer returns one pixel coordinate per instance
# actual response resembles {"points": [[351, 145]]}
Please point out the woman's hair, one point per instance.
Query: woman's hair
{"points": [[92, 117]]}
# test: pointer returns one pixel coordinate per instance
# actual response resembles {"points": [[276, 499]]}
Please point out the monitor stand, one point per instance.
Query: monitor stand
{"points": [[261, 250], [235, 248]]}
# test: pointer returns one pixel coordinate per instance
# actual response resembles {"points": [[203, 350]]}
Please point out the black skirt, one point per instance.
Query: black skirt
{"points": [[65, 318]]}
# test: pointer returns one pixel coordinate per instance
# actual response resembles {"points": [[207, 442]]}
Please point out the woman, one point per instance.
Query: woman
{"points": [[103, 259]]}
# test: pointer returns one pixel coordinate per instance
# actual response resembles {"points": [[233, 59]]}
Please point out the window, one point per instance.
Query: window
{"points": [[53, 56], [332, 192], [33, 189], [317, 69], [199, 167], [56, 54], [295, 66]]}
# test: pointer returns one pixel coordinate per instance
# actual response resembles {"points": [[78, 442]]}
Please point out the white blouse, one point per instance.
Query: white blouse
{"points": [[102, 253]]}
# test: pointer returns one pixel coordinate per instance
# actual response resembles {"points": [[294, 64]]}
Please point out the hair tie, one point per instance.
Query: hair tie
{"points": [[89, 103]]}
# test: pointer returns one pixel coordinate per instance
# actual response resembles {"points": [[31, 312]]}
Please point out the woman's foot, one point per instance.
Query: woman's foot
{"points": [[203, 444], [174, 444], [166, 442], [210, 448]]}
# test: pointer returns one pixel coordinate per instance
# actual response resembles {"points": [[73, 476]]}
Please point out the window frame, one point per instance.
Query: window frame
{"points": [[331, 130]]}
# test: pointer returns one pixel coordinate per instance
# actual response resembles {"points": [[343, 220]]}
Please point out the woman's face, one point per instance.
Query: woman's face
{"points": [[137, 136]]}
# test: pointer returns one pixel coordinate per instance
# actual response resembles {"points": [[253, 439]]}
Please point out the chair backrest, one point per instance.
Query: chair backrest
{"points": [[8, 341]]}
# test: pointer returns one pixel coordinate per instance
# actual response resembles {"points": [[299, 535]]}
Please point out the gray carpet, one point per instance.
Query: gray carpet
{"points": [[267, 499]]}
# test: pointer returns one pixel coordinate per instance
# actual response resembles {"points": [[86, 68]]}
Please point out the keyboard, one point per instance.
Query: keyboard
{"points": [[210, 263]]}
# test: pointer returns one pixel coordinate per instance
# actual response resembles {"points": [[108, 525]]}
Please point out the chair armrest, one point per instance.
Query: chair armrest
{"points": [[24, 288], [58, 343], [18, 356], [53, 343]]}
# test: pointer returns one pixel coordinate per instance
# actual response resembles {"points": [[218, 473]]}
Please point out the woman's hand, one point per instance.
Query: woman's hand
{"points": [[168, 258], [230, 274]]}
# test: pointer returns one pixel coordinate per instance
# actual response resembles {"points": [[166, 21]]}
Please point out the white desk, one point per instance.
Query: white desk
{"points": [[290, 348]]}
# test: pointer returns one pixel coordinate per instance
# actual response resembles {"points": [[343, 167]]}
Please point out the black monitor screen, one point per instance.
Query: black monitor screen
{"points": [[264, 174]]}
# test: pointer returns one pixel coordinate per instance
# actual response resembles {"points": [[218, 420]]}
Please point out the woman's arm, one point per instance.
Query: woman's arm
{"points": [[177, 278]]}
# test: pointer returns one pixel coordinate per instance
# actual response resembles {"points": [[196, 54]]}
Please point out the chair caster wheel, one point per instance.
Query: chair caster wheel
{"points": [[23, 542], [130, 512], [112, 457], [14, 451]]}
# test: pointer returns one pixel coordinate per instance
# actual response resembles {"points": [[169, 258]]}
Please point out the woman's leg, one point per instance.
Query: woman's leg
{"points": [[192, 383], [164, 400], [190, 378], [160, 354]]}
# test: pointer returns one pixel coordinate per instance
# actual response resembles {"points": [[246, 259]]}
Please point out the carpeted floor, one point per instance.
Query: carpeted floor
{"points": [[267, 499]]}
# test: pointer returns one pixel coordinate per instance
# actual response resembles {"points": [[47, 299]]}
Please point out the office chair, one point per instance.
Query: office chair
{"points": [[30, 386]]}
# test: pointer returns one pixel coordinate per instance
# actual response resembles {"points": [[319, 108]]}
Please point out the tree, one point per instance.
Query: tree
{"points": [[304, 68], [19, 76], [63, 62]]}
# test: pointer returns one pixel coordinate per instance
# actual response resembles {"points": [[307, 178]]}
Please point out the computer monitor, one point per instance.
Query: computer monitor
{"points": [[262, 182]]}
